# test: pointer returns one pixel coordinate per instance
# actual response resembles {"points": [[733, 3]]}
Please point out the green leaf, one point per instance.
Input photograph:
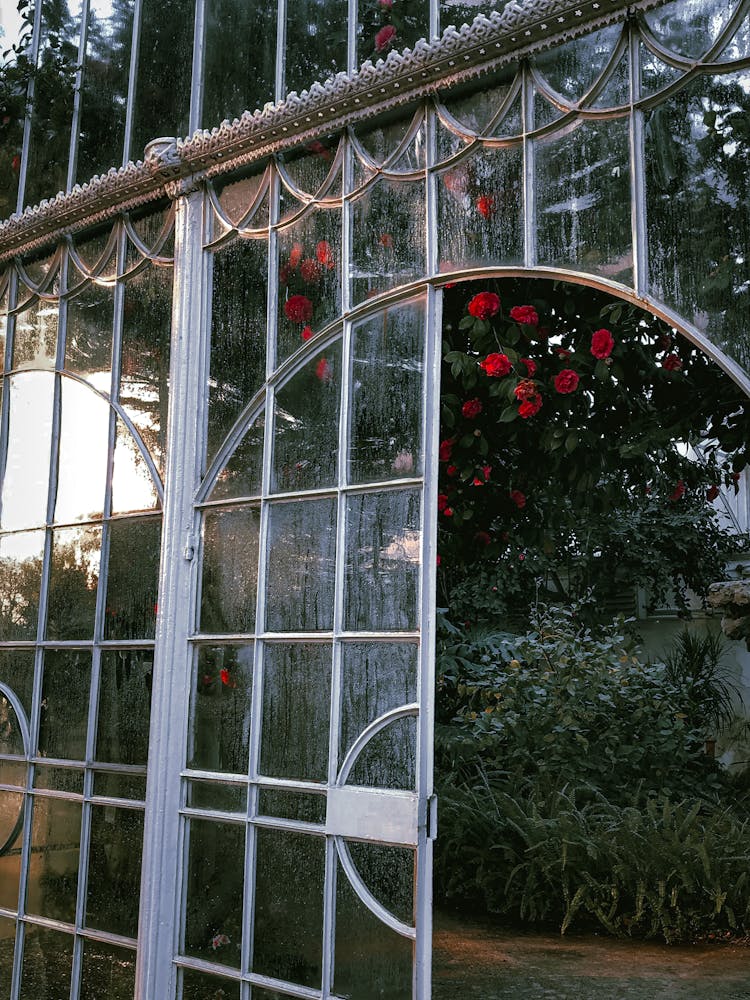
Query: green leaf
{"points": [[466, 323], [601, 370], [508, 414], [571, 441]]}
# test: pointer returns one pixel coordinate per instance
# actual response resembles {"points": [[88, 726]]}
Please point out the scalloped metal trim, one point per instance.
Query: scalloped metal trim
{"points": [[403, 77]]}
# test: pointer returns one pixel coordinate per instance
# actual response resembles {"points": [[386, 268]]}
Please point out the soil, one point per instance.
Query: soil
{"points": [[479, 960]]}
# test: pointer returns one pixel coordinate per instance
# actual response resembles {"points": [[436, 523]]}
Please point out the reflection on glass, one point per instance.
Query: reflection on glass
{"points": [[88, 334], [74, 574], [120, 786], [308, 168], [230, 570], [132, 484], [213, 905], [11, 825], [84, 445], [301, 565], [107, 972], [243, 473], [114, 870], [289, 907], [124, 706], [571, 69], [382, 141], [379, 31], [59, 779], [296, 708], [132, 572], [55, 845], [20, 580], [17, 671], [65, 704], [306, 425], [389, 759], [221, 706], [10, 772], [688, 27], [316, 42], [388, 872], [47, 964], [475, 111], [24, 496], [200, 985], [386, 391], [382, 566]]}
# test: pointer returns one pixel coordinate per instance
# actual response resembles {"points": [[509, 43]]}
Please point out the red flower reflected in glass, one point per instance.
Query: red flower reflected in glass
{"points": [[518, 498], [298, 309], [486, 206], [385, 38]]}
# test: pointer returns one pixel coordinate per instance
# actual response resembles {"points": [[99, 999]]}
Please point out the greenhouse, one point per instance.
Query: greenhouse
{"points": [[264, 391]]}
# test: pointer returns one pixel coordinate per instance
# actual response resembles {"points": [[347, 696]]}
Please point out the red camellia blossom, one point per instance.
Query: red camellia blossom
{"points": [[486, 471], [298, 309], [323, 370], [324, 255], [442, 502], [525, 314], [566, 381], [471, 408], [295, 255], [602, 343], [486, 206], [226, 678], [496, 365], [384, 38], [518, 498], [530, 366], [562, 352], [484, 305], [309, 269], [448, 512], [672, 362], [525, 388], [712, 492], [307, 332], [446, 449], [451, 471], [530, 407], [679, 491]]}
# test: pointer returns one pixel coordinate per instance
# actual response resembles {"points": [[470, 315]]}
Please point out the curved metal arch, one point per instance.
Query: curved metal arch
{"points": [[369, 733], [373, 905], [12, 698]]}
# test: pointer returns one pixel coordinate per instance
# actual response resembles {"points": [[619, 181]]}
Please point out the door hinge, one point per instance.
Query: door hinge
{"points": [[432, 817], [190, 546]]}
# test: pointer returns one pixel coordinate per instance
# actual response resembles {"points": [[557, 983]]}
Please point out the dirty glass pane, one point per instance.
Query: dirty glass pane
{"points": [[697, 154], [108, 972], [105, 87], [371, 960], [383, 27], [480, 209], [306, 426], [132, 573], [238, 334], [144, 370], [386, 404], [688, 27], [165, 56], [11, 820], [303, 806], [88, 334], [20, 579], [382, 141], [583, 199], [301, 565], [74, 574], [65, 704], [296, 709], [388, 235], [389, 759], [573, 68], [289, 907], [230, 570], [124, 706], [316, 42], [7, 950], [55, 842], [308, 169], [24, 497], [47, 964], [246, 30], [243, 473], [133, 486], [120, 786], [217, 797], [114, 870], [382, 562], [476, 111], [388, 872], [222, 701], [84, 445], [213, 907], [35, 337], [200, 985], [59, 779]]}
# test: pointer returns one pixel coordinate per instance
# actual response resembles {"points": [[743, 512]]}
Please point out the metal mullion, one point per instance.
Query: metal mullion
{"points": [[434, 18], [137, 805], [33, 58], [75, 117], [431, 198], [199, 50], [352, 56], [106, 937], [83, 864], [7, 362], [637, 166], [132, 79], [529, 180], [280, 50]]}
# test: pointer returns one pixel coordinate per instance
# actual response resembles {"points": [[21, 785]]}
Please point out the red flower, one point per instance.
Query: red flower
{"points": [[15, 164], [518, 498], [471, 409], [309, 269], [562, 352], [323, 371], [525, 388], [477, 481], [712, 492], [324, 255], [451, 471], [496, 365], [295, 256], [525, 314], [530, 406], [386, 240], [602, 343], [566, 381], [448, 512], [298, 309], [486, 470], [483, 538], [679, 491], [484, 305], [438, 560], [446, 449], [442, 502], [307, 332], [673, 363], [226, 678], [384, 38], [486, 206], [530, 366]]}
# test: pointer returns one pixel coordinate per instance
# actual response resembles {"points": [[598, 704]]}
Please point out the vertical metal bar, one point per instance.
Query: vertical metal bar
{"points": [[434, 18], [199, 54], [637, 165], [77, 97], [33, 57], [431, 228], [7, 363], [346, 227], [280, 50], [132, 80], [189, 364], [529, 192], [352, 56]]}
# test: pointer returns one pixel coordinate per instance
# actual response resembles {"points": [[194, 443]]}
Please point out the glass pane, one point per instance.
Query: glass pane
{"points": [[480, 210], [475, 111], [237, 193], [242, 475], [144, 370], [35, 337], [124, 706], [165, 55], [382, 28], [301, 565], [59, 779], [17, 671], [120, 786], [222, 702], [213, 907], [389, 759], [306, 426], [11, 820], [688, 27], [572, 69], [386, 401], [7, 950], [108, 973], [132, 578], [296, 709], [24, 497], [88, 334], [133, 486], [238, 334], [105, 87], [65, 704], [55, 845], [202, 985], [11, 734], [10, 772], [309, 168], [84, 446], [583, 199], [388, 872], [20, 579], [74, 574], [230, 570], [289, 907], [114, 870], [316, 42], [248, 32], [388, 235], [47, 964], [302, 806], [382, 566], [217, 797]]}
